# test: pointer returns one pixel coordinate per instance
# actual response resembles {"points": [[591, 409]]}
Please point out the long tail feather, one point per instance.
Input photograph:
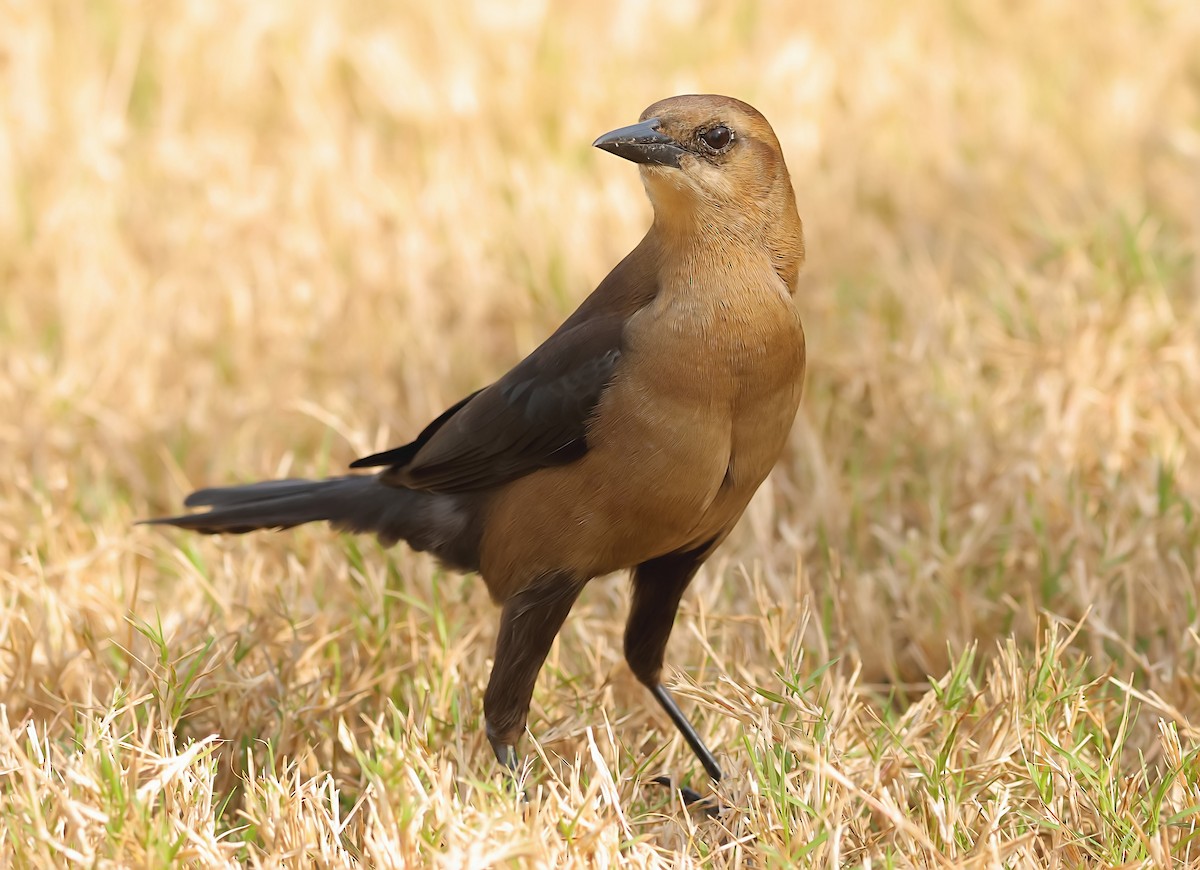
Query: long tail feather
{"points": [[356, 503]]}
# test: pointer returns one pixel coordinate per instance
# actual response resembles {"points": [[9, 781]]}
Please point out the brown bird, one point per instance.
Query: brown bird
{"points": [[633, 437]]}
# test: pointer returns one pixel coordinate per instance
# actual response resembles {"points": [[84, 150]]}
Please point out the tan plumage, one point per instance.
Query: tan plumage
{"points": [[633, 437]]}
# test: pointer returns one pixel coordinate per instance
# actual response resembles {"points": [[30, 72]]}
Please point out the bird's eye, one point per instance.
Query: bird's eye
{"points": [[717, 138]]}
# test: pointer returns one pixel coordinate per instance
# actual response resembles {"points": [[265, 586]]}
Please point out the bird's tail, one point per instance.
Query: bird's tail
{"points": [[355, 503]]}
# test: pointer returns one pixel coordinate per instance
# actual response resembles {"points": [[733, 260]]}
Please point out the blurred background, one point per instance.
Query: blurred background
{"points": [[244, 240]]}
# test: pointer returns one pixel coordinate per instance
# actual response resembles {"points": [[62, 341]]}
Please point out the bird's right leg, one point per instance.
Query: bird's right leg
{"points": [[658, 587], [528, 625]]}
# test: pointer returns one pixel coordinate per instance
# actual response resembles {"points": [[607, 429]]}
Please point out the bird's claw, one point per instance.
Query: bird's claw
{"points": [[693, 800]]}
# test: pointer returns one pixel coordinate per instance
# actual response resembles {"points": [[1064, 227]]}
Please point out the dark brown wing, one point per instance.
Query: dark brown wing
{"points": [[537, 415], [533, 417]]}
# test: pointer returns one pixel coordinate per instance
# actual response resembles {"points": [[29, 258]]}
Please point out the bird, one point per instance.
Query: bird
{"points": [[632, 438]]}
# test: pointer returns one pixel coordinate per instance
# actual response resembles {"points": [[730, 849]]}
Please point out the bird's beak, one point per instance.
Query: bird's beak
{"points": [[642, 143]]}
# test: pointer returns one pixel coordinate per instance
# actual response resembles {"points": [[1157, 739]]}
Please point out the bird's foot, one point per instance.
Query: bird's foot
{"points": [[693, 800]]}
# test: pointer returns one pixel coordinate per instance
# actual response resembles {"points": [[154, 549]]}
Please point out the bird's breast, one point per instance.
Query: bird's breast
{"points": [[731, 351], [697, 413], [722, 383]]}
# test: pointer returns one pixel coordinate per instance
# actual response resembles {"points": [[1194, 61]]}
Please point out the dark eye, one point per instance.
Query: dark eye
{"points": [[717, 138]]}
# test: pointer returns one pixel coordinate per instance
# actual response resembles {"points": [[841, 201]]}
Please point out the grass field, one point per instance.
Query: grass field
{"points": [[960, 625]]}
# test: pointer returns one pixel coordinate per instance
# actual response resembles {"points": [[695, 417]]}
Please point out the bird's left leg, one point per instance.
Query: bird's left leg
{"points": [[528, 625], [658, 586]]}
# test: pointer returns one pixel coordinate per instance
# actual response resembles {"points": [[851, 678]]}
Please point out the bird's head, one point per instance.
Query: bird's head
{"points": [[712, 161]]}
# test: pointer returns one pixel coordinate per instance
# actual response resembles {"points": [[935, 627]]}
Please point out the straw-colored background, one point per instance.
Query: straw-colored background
{"points": [[958, 626]]}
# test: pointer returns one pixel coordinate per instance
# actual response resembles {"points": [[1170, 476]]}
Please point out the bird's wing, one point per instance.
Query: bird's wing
{"points": [[535, 416], [538, 414]]}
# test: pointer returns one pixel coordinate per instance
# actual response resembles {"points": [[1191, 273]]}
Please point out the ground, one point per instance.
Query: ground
{"points": [[958, 627]]}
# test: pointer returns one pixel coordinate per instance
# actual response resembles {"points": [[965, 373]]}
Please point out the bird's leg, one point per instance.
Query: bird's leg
{"points": [[702, 752], [528, 625], [658, 586]]}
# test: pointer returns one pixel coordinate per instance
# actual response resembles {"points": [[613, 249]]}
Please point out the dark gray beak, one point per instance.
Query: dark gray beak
{"points": [[642, 143]]}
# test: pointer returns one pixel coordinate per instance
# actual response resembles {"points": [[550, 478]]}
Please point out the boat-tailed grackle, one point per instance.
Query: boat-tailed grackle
{"points": [[633, 437]]}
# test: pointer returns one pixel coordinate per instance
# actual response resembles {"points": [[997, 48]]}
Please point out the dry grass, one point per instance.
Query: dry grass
{"points": [[959, 626]]}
